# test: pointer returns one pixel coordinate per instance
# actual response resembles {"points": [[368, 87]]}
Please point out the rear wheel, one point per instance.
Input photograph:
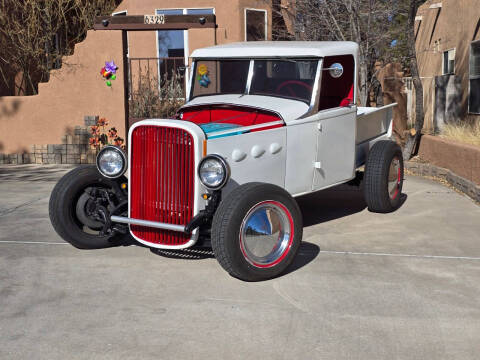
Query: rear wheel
{"points": [[256, 231], [384, 177], [80, 206]]}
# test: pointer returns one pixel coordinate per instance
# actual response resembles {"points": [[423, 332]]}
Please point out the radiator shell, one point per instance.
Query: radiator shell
{"points": [[155, 237]]}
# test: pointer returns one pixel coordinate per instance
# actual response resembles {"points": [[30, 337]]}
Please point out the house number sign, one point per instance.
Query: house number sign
{"points": [[154, 19]]}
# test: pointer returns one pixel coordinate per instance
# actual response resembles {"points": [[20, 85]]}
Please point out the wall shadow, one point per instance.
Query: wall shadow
{"points": [[33, 172], [8, 110]]}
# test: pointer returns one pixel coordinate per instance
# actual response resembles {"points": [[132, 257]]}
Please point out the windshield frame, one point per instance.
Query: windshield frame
{"points": [[251, 75]]}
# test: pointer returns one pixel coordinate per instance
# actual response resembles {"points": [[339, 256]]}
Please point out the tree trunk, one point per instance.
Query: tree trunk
{"points": [[363, 83], [413, 138]]}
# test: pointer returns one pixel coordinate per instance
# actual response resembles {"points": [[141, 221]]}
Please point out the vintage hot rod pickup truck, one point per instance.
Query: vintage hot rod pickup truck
{"points": [[264, 122]]}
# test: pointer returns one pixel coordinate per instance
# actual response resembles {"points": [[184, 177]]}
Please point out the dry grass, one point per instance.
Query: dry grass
{"points": [[464, 133]]}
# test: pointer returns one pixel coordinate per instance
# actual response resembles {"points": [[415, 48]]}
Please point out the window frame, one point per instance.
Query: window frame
{"points": [[186, 47], [447, 52], [470, 76], [123, 13], [245, 22]]}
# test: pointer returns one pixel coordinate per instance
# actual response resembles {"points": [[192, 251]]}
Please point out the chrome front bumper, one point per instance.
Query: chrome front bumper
{"points": [[153, 224]]}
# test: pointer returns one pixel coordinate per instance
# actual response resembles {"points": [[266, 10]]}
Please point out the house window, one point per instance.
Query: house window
{"points": [[173, 44], [449, 62], [474, 95], [255, 25], [206, 11]]}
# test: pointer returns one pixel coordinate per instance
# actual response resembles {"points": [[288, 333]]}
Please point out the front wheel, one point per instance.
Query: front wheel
{"points": [[256, 231], [74, 207]]}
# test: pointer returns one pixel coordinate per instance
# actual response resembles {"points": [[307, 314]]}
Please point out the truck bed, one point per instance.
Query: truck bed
{"points": [[373, 124]]}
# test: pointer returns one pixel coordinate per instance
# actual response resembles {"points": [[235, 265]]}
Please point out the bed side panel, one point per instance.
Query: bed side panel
{"points": [[372, 122]]}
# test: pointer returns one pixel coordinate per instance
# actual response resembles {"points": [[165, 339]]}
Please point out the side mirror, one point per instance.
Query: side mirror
{"points": [[335, 70]]}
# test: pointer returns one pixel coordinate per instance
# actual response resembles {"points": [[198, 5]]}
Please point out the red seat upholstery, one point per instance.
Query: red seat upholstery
{"points": [[348, 100]]}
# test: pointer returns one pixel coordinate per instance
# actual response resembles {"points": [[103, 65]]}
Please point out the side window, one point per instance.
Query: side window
{"points": [[337, 92]]}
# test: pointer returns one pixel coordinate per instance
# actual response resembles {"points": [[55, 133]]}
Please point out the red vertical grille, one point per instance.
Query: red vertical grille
{"points": [[162, 182]]}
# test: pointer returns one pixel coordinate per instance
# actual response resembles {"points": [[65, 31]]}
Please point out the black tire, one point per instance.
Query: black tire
{"points": [[227, 223], [381, 169], [62, 207]]}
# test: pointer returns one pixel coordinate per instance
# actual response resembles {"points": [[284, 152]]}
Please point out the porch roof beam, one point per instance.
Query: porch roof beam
{"points": [[139, 23]]}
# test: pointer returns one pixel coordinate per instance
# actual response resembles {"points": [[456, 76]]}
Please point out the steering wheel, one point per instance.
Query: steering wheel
{"points": [[289, 88]]}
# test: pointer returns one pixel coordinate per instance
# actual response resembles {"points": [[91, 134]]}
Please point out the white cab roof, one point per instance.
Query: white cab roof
{"points": [[272, 49]]}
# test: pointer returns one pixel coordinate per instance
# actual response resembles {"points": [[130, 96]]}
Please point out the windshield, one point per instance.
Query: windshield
{"points": [[212, 77], [286, 78], [292, 79]]}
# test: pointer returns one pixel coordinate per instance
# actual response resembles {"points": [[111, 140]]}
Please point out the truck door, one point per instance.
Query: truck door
{"points": [[335, 159]]}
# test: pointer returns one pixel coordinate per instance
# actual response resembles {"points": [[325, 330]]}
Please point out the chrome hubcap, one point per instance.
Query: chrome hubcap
{"points": [[266, 234], [394, 178]]}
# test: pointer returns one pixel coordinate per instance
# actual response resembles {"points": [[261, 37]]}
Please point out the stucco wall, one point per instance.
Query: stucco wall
{"points": [[455, 28], [462, 159], [75, 90]]}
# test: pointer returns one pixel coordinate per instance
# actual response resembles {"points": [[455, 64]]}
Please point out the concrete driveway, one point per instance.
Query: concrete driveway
{"points": [[365, 286]]}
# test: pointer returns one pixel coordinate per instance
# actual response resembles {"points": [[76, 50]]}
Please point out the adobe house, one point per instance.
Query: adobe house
{"points": [[448, 53], [51, 127]]}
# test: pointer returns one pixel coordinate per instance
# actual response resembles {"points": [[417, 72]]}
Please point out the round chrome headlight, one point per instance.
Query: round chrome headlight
{"points": [[213, 172], [111, 162]]}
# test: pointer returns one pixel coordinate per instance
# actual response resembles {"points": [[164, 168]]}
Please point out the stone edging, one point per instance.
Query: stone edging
{"points": [[465, 186]]}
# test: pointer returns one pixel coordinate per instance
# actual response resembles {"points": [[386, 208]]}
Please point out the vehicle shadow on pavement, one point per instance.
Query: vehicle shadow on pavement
{"points": [[306, 254], [331, 204]]}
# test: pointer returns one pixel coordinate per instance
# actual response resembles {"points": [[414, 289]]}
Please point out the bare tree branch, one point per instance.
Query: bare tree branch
{"points": [[31, 29]]}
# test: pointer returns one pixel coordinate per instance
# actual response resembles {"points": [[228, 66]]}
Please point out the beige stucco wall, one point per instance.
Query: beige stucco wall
{"points": [[455, 28], [75, 90]]}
